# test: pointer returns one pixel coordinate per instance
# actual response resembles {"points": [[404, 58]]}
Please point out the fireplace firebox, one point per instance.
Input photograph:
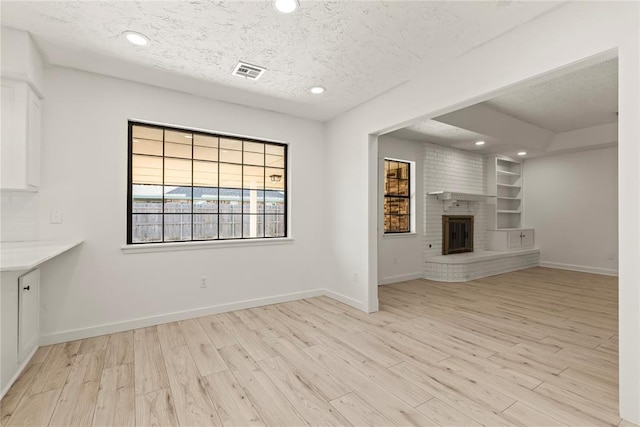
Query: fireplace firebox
{"points": [[457, 234]]}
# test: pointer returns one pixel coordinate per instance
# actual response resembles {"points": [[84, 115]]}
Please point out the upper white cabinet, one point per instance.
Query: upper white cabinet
{"points": [[21, 136], [505, 181], [22, 89]]}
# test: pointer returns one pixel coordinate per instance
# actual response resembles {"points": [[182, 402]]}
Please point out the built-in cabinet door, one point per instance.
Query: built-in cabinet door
{"points": [[28, 313], [527, 239], [513, 239]]}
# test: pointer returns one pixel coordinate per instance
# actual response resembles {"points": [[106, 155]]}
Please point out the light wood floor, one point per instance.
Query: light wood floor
{"points": [[535, 347]]}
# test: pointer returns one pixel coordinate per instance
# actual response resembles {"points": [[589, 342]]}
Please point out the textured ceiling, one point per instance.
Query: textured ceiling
{"points": [[356, 49], [584, 98], [581, 99]]}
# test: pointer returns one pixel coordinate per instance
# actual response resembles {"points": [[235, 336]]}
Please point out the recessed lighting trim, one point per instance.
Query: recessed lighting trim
{"points": [[136, 38], [317, 90], [522, 153], [286, 6], [480, 143]]}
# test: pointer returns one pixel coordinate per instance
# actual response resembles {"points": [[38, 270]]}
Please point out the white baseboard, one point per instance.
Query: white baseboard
{"points": [[110, 328], [346, 300], [400, 278], [23, 365], [581, 268]]}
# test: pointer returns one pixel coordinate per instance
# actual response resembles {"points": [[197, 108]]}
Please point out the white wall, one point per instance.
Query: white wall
{"points": [[400, 255], [572, 202], [575, 35], [94, 287]]}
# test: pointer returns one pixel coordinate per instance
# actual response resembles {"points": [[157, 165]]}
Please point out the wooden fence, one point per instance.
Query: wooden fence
{"points": [[205, 222]]}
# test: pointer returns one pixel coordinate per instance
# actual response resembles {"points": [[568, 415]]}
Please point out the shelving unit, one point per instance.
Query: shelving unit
{"points": [[505, 179]]}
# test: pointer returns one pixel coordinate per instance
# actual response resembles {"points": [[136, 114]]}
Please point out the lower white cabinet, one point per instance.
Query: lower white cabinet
{"points": [[28, 313], [19, 322], [511, 239]]}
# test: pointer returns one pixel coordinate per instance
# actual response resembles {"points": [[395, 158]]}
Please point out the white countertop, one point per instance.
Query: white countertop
{"points": [[18, 256]]}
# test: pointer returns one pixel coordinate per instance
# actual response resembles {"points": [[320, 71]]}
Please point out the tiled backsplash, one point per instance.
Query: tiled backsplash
{"points": [[19, 216]]}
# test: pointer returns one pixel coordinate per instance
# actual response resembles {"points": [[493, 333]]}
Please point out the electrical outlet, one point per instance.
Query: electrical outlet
{"points": [[395, 260], [56, 217], [355, 277], [203, 282]]}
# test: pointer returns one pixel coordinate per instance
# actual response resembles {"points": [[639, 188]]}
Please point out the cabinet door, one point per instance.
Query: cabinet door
{"points": [[34, 124], [28, 313], [527, 239], [513, 240]]}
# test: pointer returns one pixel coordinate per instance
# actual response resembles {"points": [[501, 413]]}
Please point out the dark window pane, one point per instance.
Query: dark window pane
{"points": [[177, 227], [274, 226], [146, 198], [146, 228], [205, 227]]}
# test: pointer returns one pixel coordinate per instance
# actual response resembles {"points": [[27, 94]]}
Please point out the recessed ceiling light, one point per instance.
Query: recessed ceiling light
{"points": [[286, 6], [522, 153], [317, 90], [136, 38], [480, 143]]}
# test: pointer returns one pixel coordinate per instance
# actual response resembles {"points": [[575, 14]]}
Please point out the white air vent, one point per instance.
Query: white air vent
{"points": [[249, 71]]}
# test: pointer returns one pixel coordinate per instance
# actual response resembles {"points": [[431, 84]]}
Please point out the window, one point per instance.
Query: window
{"points": [[397, 196], [191, 186]]}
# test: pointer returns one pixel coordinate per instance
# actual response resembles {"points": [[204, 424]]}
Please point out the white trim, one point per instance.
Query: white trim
{"points": [[23, 365], [189, 246], [582, 268], [400, 278], [399, 235], [346, 300], [109, 328], [209, 131]]}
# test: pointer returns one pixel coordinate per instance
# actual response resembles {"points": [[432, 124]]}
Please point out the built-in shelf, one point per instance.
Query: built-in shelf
{"points": [[504, 176], [508, 173]]}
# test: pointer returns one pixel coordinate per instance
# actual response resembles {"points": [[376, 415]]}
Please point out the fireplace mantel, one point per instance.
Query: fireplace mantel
{"points": [[449, 198]]}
